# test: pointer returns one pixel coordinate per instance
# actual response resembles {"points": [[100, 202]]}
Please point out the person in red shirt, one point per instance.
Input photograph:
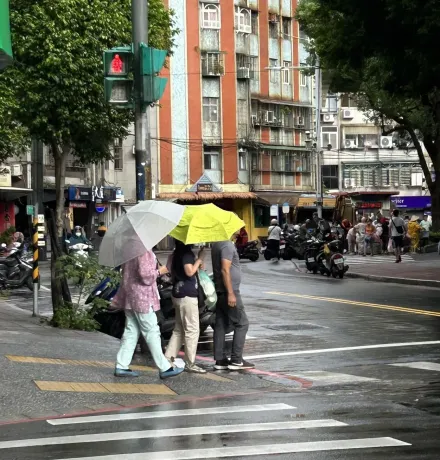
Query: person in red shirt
{"points": [[241, 240]]}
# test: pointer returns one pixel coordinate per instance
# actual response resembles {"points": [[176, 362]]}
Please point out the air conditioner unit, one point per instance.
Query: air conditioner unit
{"points": [[243, 72], [347, 114], [274, 18], [328, 118], [270, 116], [16, 170], [349, 144], [299, 121], [386, 142]]}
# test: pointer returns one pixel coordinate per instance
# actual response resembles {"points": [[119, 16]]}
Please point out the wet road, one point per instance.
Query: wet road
{"points": [[356, 373]]}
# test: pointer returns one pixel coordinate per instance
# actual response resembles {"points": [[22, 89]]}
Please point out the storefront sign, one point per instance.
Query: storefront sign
{"points": [[274, 210], [100, 207], [411, 202], [41, 218], [29, 210], [369, 205], [204, 187], [286, 208], [310, 202], [80, 194], [79, 204], [5, 176], [119, 195]]}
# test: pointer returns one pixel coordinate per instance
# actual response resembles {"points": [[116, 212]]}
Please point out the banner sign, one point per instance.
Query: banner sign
{"points": [[411, 202]]}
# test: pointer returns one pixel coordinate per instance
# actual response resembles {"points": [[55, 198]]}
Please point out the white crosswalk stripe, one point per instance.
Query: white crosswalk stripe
{"points": [[380, 259], [176, 426]]}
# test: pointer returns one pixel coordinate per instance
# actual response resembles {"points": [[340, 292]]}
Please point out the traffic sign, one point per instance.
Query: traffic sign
{"points": [[29, 210]]}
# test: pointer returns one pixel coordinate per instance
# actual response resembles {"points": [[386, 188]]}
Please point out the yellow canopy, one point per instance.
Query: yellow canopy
{"points": [[206, 223]]}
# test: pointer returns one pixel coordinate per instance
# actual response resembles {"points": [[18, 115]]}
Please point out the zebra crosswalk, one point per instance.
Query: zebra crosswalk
{"points": [[352, 259], [193, 433]]}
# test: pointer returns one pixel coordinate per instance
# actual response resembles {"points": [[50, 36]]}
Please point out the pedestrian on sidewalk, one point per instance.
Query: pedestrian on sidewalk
{"points": [[360, 236], [273, 239], [139, 297], [398, 230], [426, 227], [185, 295], [230, 308], [414, 232], [351, 239], [370, 230], [385, 233]]}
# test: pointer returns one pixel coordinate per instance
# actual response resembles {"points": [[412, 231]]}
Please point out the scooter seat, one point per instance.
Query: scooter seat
{"points": [[8, 261]]}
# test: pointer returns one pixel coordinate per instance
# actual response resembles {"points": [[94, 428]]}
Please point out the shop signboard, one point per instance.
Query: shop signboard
{"points": [[369, 205], [5, 176], [80, 193], [411, 202], [286, 208]]}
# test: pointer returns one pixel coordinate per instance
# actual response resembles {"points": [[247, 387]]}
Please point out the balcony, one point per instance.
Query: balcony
{"points": [[212, 65]]}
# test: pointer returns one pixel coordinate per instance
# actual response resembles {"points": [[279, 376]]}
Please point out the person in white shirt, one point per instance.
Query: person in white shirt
{"points": [[426, 226], [273, 240], [398, 229]]}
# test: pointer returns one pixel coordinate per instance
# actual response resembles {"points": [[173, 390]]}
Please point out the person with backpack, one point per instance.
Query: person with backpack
{"points": [[398, 230], [185, 296]]}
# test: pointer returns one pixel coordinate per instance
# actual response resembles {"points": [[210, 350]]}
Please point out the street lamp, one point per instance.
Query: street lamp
{"points": [[317, 146]]}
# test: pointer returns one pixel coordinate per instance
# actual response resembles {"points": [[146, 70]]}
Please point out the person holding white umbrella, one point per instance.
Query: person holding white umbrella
{"points": [[128, 242]]}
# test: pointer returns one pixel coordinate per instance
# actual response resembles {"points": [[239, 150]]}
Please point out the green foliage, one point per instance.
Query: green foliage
{"points": [[86, 273], [434, 236]]}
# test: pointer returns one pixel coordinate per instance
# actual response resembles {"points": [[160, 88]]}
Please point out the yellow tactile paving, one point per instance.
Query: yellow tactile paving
{"points": [[71, 362], [90, 387], [214, 377]]}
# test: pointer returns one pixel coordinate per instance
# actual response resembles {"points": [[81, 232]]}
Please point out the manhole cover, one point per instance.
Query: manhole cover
{"points": [[295, 327]]}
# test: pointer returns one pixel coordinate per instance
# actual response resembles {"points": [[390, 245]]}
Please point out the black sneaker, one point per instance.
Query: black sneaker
{"points": [[243, 365], [222, 365]]}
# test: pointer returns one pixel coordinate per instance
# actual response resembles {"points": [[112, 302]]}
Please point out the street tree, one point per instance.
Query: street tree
{"points": [[386, 52], [55, 85]]}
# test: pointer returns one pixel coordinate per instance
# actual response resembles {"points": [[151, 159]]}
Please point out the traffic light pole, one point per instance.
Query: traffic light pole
{"points": [[318, 103], [139, 18]]}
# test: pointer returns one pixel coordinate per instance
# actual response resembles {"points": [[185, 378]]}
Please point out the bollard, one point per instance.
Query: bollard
{"points": [[35, 271]]}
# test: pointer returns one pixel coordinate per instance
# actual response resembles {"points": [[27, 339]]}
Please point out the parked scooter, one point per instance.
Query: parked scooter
{"points": [[15, 271], [330, 259], [249, 251], [112, 321]]}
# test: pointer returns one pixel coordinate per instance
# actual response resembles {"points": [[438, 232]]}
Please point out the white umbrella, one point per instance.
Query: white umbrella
{"points": [[137, 231]]}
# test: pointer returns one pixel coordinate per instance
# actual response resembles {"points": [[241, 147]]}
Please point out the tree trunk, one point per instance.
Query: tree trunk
{"points": [[60, 289], [435, 206]]}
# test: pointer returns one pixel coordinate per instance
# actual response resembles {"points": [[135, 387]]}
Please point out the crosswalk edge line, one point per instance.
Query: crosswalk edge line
{"points": [[268, 449]]}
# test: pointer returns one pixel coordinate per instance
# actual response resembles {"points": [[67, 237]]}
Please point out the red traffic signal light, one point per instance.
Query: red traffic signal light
{"points": [[117, 66]]}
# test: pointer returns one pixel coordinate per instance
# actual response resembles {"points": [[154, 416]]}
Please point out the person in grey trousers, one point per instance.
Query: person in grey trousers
{"points": [[230, 308]]}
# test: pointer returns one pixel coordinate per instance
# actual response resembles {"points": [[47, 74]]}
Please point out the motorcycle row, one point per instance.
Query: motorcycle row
{"points": [[15, 267]]}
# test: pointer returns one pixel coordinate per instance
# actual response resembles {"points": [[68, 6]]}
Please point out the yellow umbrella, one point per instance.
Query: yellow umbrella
{"points": [[206, 223]]}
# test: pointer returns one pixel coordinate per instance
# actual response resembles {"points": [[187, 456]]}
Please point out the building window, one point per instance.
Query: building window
{"points": [[212, 64], [273, 63], [211, 159], [329, 136], [361, 140], [210, 16], [254, 22], [255, 71], [348, 100], [287, 27], [330, 177], [242, 161], [243, 20], [210, 109], [118, 155], [302, 79], [286, 72], [273, 29]]}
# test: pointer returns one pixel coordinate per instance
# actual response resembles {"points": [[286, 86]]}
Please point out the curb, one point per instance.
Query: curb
{"points": [[390, 279]]}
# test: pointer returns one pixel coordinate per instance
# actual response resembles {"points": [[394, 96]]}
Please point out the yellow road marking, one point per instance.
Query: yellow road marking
{"points": [[90, 387], [72, 362], [361, 304]]}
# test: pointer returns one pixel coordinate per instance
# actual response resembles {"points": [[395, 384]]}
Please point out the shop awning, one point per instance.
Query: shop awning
{"points": [[12, 193], [208, 196], [5, 35], [283, 147], [278, 198], [310, 202]]}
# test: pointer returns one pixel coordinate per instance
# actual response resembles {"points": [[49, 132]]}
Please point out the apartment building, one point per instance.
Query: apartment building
{"points": [[230, 128], [370, 168]]}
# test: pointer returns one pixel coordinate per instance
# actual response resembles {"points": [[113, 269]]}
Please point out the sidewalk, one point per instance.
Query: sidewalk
{"points": [[47, 372], [423, 271]]}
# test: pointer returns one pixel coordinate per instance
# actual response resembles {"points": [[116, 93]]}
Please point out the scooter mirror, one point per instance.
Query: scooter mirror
{"points": [[66, 241]]}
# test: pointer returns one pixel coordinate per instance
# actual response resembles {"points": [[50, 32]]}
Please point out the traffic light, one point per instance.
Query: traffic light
{"points": [[152, 61], [118, 79]]}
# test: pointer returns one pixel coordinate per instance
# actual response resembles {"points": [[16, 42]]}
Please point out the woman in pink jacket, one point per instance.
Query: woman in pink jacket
{"points": [[139, 297]]}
